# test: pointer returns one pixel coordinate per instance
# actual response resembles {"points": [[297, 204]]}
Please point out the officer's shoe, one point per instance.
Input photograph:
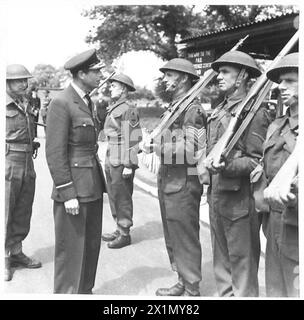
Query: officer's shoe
{"points": [[21, 260], [110, 236], [120, 242], [8, 273], [176, 290]]}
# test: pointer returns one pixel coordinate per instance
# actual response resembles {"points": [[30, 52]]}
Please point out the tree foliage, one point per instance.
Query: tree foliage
{"points": [[127, 28], [158, 28], [46, 75]]}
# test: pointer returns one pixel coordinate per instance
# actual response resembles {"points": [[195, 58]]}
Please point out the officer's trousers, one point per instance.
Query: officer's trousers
{"points": [[236, 252], [19, 196], [77, 246], [180, 219], [120, 192], [281, 264]]}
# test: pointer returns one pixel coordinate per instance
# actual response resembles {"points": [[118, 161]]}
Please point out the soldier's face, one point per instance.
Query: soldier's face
{"points": [[171, 80], [116, 89], [17, 87], [227, 77], [92, 79], [288, 87]]}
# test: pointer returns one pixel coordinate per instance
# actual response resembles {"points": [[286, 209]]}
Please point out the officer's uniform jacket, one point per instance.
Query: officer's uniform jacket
{"points": [[19, 126], [280, 142], [123, 132], [71, 149], [232, 186], [179, 145]]}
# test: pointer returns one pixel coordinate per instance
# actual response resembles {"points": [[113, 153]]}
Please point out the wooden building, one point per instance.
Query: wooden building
{"points": [[266, 39]]}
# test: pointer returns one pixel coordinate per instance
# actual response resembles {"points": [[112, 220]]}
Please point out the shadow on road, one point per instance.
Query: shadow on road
{"points": [[132, 282], [45, 255], [149, 231]]}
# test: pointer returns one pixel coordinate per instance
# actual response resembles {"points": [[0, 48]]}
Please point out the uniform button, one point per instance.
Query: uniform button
{"points": [[84, 125], [76, 164]]}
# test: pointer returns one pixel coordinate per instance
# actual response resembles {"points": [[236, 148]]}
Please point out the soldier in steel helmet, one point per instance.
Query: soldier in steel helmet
{"points": [[19, 169], [123, 132], [234, 224], [79, 184], [179, 189], [281, 223]]}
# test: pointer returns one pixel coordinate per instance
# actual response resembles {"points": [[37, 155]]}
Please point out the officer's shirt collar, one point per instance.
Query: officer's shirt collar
{"points": [[80, 92]]}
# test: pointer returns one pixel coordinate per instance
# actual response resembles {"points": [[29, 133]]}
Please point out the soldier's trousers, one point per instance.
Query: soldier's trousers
{"points": [[180, 219], [236, 252], [282, 258], [19, 196], [120, 192], [77, 246]]}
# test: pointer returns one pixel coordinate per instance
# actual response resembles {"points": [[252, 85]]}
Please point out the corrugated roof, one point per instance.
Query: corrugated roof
{"points": [[239, 26]]}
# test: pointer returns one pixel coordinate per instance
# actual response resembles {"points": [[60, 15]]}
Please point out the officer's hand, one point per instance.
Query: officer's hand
{"points": [[72, 206], [146, 146], [127, 173]]}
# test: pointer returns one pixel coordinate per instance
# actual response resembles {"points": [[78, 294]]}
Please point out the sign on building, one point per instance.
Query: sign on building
{"points": [[201, 60]]}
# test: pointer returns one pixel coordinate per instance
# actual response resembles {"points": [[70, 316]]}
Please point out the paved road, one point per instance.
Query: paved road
{"points": [[136, 270]]}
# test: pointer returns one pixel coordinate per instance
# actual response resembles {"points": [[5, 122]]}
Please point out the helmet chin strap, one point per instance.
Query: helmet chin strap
{"points": [[238, 81]]}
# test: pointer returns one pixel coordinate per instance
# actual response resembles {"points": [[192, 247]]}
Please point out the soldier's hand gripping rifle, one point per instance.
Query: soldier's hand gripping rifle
{"points": [[283, 187], [252, 103], [179, 107]]}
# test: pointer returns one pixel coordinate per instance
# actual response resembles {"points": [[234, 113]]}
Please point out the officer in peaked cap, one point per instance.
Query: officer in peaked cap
{"points": [[234, 224], [281, 223], [85, 60], [19, 169], [121, 125], [179, 189], [71, 153]]}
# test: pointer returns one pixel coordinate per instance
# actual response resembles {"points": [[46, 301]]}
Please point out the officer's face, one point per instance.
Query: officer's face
{"points": [[17, 87], [92, 79], [171, 80], [227, 77], [288, 87], [116, 89]]}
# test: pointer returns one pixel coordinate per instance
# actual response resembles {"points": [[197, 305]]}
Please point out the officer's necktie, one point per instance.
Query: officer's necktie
{"points": [[90, 103]]}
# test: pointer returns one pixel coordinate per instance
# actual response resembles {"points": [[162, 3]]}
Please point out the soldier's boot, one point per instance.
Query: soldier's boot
{"points": [[123, 239], [21, 260], [176, 290], [191, 290], [110, 236], [8, 273]]}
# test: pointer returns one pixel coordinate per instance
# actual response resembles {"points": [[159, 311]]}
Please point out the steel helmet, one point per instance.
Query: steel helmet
{"points": [[181, 65], [288, 63], [120, 77], [17, 71], [240, 59]]}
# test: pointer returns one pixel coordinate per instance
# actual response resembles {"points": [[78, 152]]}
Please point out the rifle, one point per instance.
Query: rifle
{"points": [[253, 99], [185, 101], [40, 124], [101, 84]]}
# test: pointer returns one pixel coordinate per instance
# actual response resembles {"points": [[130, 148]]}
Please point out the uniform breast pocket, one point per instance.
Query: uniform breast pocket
{"points": [[14, 121], [84, 130], [82, 175]]}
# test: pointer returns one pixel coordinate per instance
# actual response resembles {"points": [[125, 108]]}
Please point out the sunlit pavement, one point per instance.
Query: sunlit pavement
{"points": [[138, 269]]}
